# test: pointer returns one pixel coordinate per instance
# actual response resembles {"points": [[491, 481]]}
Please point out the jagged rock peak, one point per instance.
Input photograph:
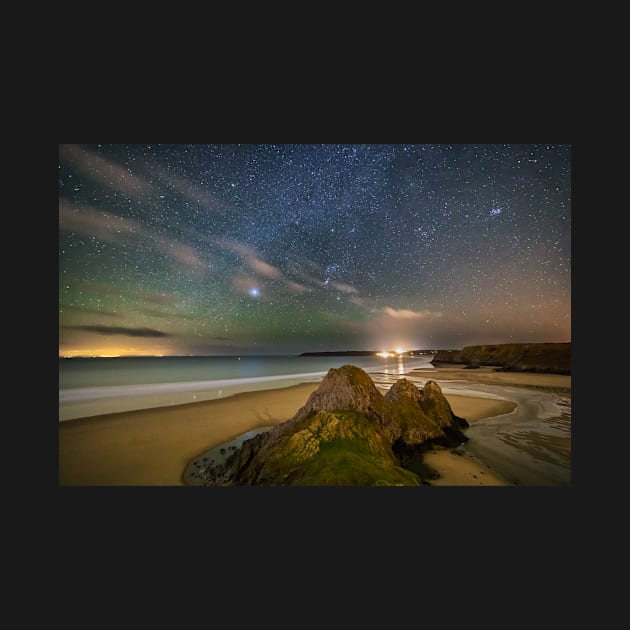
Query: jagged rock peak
{"points": [[403, 388], [432, 388], [434, 404], [347, 387]]}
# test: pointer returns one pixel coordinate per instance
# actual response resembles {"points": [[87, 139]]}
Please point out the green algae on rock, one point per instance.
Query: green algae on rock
{"points": [[347, 433]]}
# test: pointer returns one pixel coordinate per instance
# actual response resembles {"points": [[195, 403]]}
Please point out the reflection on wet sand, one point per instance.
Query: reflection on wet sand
{"points": [[544, 448], [527, 446]]}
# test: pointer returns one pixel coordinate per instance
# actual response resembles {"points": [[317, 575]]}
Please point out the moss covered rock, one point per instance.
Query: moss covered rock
{"points": [[347, 433]]}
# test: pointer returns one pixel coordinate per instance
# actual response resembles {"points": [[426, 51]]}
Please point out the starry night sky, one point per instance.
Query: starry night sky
{"points": [[280, 249]]}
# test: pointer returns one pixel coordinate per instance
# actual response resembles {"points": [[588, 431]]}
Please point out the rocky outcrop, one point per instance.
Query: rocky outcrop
{"points": [[347, 387], [447, 356], [347, 433], [552, 358], [425, 417]]}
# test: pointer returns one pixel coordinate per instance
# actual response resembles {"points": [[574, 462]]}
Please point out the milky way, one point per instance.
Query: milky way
{"points": [[270, 249]]}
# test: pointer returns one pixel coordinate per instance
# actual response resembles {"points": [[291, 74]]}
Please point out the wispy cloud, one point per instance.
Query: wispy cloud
{"points": [[252, 259], [409, 314], [90, 311], [344, 288], [307, 270], [92, 222], [243, 283], [121, 330], [179, 252], [157, 298], [100, 288], [314, 275], [105, 172], [260, 267], [358, 301], [297, 288], [265, 269], [191, 191], [114, 229], [152, 312]]}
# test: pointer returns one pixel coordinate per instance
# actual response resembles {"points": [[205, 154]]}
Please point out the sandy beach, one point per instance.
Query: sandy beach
{"points": [[153, 446]]}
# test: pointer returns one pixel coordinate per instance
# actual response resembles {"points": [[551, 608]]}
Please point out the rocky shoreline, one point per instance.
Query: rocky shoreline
{"points": [[541, 358]]}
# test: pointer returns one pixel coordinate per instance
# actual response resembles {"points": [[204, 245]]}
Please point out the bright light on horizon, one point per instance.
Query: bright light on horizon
{"points": [[115, 352], [397, 351]]}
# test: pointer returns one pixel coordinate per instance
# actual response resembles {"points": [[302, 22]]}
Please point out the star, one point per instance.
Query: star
{"points": [[274, 248]]}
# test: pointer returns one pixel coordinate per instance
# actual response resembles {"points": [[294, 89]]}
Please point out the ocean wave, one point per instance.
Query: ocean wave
{"points": [[123, 391]]}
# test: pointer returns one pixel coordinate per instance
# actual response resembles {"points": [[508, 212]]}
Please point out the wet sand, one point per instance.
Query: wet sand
{"points": [[154, 446], [488, 375], [456, 469], [460, 469]]}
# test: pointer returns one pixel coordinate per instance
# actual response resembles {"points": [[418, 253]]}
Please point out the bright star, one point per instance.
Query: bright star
{"points": [[254, 292]]}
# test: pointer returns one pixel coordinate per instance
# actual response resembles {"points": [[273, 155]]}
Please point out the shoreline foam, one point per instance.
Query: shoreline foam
{"points": [[83, 402]]}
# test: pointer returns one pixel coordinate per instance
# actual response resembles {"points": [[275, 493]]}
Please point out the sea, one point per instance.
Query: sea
{"points": [[96, 386]]}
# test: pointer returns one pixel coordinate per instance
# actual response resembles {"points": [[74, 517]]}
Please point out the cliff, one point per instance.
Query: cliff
{"points": [[347, 433], [447, 356], [517, 357]]}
